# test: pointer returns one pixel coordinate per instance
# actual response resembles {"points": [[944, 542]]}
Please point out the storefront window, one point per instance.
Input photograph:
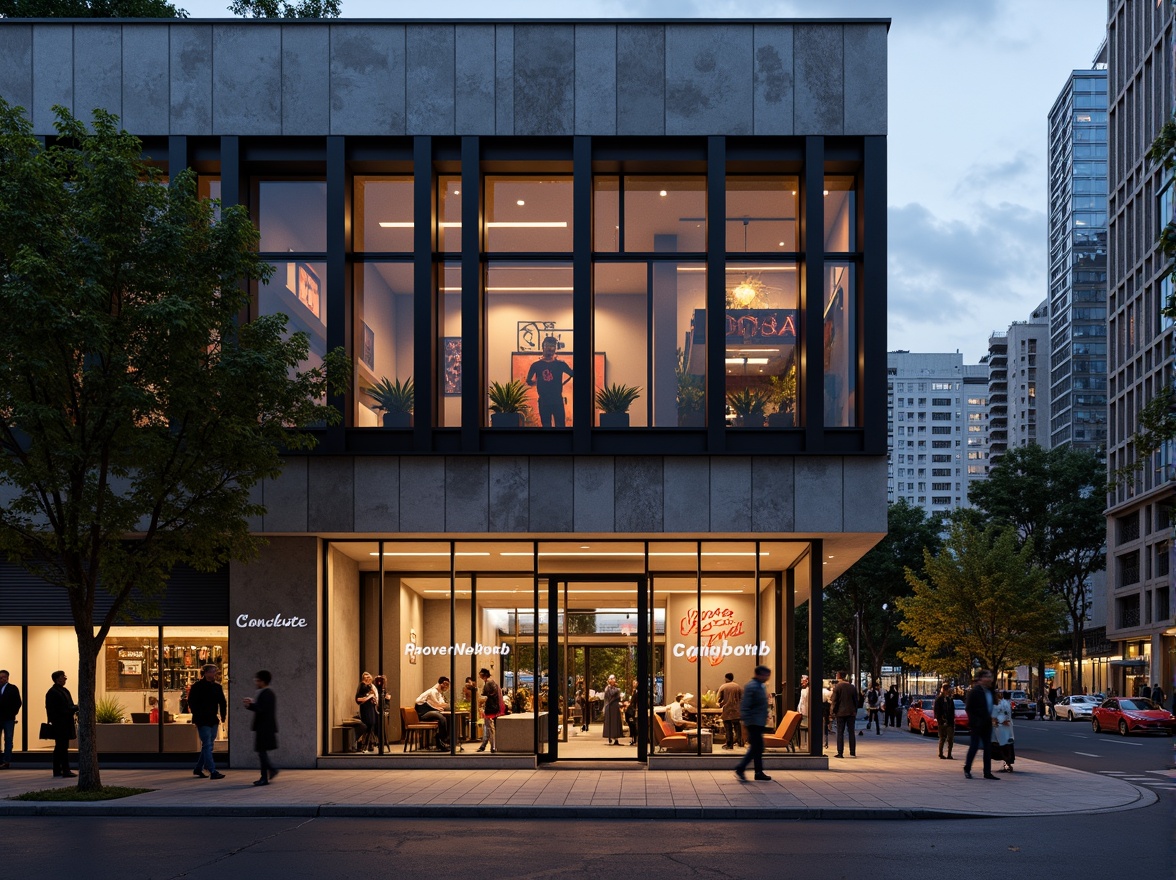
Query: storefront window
{"points": [[529, 343], [761, 214], [761, 354], [840, 345], [528, 214], [382, 344], [383, 214]]}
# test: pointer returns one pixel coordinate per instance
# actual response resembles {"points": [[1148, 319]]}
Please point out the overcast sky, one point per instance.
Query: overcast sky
{"points": [[971, 83]]}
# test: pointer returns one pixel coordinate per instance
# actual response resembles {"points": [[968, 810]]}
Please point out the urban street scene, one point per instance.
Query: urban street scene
{"points": [[373, 484]]}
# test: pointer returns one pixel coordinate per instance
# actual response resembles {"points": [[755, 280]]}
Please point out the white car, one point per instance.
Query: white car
{"points": [[1075, 707]]}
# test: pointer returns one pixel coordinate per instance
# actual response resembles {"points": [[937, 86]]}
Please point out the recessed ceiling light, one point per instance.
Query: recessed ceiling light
{"points": [[520, 202], [781, 244], [662, 193], [457, 192]]}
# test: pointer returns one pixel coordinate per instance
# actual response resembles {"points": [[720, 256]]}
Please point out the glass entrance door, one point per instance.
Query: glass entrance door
{"points": [[601, 627]]}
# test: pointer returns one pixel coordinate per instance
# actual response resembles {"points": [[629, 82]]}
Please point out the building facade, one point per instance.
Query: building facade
{"points": [[1140, 99], [536, 211]]}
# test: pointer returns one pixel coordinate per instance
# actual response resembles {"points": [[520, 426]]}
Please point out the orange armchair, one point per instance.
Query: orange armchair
{"points": [[666, 738], [782, 738]]}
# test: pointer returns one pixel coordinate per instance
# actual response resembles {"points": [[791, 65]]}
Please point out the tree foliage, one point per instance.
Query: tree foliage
{"points": [[90, 9], [136, 414], [983, 599], [284, 9], [877, 580], [1054, 499]]}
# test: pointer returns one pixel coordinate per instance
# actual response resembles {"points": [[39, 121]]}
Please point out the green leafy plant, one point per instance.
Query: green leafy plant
{"points": [[108, 710], [691, 393], [509, 398], [782, 391], [395, 397], [616, 398], [749, 404]]}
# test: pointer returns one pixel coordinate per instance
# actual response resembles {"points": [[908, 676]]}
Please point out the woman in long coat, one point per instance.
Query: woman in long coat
{"points": [[612, 712], [1002, 732]]}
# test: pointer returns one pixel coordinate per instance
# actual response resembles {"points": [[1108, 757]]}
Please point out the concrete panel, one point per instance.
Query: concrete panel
{"points": [[330, 487], [865, 494], [306, 79], [467, 493], [687, 494], [544, 79], [820, 88], [641, 79], [367, 79], [593, 494], [865, 79], [144, 92], [422, 495], [53, 74], [473, 82], [284, 582], [377, 495], [773, 494], [708, 83], [596, 79], [509, 485], [772, 80], [551, 485], [285, 497], [429, 60], [640, 492], [98, 71], [16, 73], [730, 491], [249, 104], [504, 79], [191, 79], [819, 494]]}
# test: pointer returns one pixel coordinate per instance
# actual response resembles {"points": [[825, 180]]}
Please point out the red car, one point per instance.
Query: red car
{"points": [[1131, 715], [921, 717]]}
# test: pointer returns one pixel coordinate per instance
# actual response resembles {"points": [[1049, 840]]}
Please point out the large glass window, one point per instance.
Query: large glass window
{"points": [[528, 214], [840, 216], [382, 344], [761, 214], [383, 214], [529, 343], [449, 214], [762, 303], [840, 346], [650, 331], [449, 346], [661, 214], [298, 289], [292, 216]]}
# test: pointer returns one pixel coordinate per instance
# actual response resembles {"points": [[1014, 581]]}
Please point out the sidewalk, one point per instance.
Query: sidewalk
{"points": [[895, 776]]}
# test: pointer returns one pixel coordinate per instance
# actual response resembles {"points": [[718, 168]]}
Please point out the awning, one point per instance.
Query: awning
{"points": [[1134, 661]]}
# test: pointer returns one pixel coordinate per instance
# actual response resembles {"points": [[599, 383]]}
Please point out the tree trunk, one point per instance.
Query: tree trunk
{"points": [[89, 776]]}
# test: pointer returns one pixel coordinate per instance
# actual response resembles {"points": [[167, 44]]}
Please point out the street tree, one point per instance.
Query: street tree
{"points": [[284, 9], [136, 411], [982, 599], [1055, 499], [90, 9], [869, 589]]}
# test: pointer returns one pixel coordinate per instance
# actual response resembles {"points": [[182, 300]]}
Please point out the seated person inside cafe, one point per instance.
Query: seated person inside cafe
{"points": [[676, 712], [431, 706]]}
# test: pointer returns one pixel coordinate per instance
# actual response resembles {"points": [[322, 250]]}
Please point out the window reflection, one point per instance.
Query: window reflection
{"points": [[839, 346], [449, 346], [840, 220], [761, 354], [298, 290], [292, 216]]}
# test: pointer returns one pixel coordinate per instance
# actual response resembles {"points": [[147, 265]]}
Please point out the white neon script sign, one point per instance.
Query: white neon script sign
{"points": [[460, 649], [276, 622]]}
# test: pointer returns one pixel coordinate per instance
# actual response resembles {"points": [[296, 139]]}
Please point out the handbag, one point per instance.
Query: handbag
{"points": [[47, 730]]}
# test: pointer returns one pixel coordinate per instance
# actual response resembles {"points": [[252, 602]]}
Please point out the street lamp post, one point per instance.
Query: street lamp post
{"points": [[857, 649]]}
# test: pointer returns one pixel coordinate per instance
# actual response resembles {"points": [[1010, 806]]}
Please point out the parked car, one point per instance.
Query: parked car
{"points": [[1132, 715], [1023, 705], [921, 717], [1074, 707]]}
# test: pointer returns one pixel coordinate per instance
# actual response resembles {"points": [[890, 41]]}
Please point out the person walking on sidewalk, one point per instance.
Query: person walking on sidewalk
{"points": [[730, 696], [944, 709], [753, 710], [890, 702], [264, 707], [846, 700], [874, 707], [206, 702], [979, 706], [10, 703]]}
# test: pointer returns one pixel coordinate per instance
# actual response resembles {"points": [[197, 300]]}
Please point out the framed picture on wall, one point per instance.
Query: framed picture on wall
{"points": [[532, 333], [451, 366], [369, 347], [305, 284]]}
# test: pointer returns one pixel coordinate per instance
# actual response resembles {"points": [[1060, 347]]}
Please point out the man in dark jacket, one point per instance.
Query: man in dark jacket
{"points": [[206, 702], [265, 724], [753, 711], [844, 706], [944, 709], [60, 710], [979, 707], [10, 703]]}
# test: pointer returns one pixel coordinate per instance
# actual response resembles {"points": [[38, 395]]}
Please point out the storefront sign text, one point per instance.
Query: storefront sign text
{"points": [[462, 649], [277, 621], [717, 626], [716, 652]]}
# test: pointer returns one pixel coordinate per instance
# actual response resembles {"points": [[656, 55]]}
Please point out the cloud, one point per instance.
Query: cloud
{"points": [[952, 282], [1021, 170]]}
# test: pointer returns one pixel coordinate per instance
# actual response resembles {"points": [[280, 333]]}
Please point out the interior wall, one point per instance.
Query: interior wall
{"points": [[343, 599], [412, 675], [723, 617]]}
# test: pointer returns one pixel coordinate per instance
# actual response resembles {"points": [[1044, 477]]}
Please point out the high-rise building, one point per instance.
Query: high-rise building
{"points": [[1077, 389], [1140, 199], [938, 440], [1018, 358]]}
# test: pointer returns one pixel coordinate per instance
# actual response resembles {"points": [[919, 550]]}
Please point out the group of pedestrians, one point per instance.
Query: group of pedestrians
{"points": [[990, 726]]}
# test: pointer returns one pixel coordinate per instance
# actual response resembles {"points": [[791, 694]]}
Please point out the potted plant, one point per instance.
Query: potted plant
{"points": [[108, 710], [614, 401], [395, 399], [508, 404], [783, 393], [691, 395], [750, 407]]}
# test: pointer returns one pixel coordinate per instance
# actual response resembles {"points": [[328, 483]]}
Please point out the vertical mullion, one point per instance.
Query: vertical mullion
{"points": [[472, 379], [425, 304], [816, 642], [583, 335], [871, 295], [338, 290], [716, 294], [812, 292]]}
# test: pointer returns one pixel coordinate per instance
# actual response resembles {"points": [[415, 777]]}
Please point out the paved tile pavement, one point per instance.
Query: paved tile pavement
{"points": [[896, 775]]}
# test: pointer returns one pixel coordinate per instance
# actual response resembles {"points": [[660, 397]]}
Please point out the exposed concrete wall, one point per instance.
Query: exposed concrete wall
{"points": [[438, 78]]}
